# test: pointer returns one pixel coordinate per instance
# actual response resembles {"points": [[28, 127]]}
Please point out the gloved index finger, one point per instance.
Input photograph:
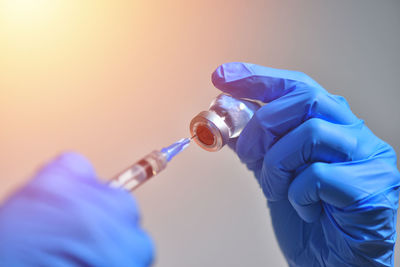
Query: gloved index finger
{"points": [[245, 80]]}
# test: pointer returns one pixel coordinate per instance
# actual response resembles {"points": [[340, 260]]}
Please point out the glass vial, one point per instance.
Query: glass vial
{"points": [[224, 120]]}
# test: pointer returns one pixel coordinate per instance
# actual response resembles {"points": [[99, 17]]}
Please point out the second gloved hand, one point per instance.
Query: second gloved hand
{"points": [[65, 217], [332, 185]]}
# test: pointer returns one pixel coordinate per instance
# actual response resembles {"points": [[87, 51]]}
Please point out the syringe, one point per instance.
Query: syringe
{"points": [[148, 166]]}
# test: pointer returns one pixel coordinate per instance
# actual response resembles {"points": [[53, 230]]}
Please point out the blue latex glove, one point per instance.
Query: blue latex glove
{"points": [[65, 217], [332, 185]]}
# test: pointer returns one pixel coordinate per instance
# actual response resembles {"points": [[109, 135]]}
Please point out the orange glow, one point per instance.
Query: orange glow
{"points": [[104, 78]]}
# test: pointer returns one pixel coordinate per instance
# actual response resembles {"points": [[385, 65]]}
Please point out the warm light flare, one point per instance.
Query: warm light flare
{"points": [[28, 12]]}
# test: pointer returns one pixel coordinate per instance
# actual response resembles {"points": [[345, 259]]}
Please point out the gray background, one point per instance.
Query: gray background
{"points": [[117, 79]]}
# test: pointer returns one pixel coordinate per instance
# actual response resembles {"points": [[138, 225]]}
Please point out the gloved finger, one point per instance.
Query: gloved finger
{"points": [[315, 140], [70, 178], [245, 80], [68, 164], [340, 185], [142, 248], [280, 116]]}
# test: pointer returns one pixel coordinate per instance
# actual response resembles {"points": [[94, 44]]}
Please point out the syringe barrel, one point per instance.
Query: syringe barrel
{"points": [[141, 171]]}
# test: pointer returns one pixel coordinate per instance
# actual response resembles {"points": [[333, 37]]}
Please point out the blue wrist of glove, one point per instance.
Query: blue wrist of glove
{"points": [[65, 217], [331, 184]]}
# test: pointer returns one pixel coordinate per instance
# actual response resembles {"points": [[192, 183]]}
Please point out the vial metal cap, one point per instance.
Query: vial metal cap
{"points": [[209, 130]]}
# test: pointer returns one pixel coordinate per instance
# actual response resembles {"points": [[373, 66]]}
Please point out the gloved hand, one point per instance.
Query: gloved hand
{"points": [[65, 217], [332, 185]]}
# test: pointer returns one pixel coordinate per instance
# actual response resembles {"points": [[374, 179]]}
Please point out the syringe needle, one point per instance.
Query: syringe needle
{"points": [[174, 149]]}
